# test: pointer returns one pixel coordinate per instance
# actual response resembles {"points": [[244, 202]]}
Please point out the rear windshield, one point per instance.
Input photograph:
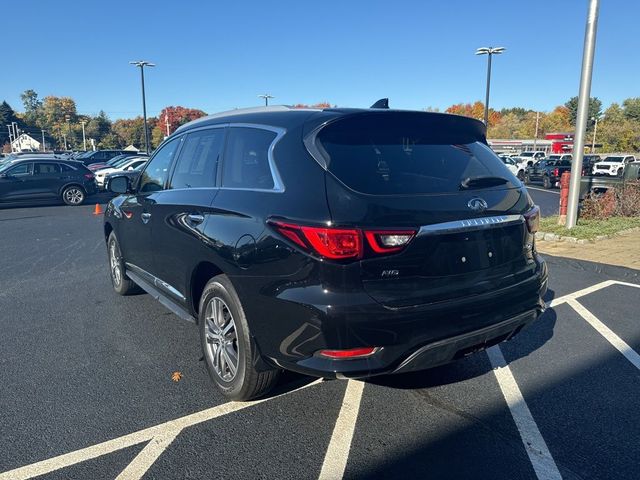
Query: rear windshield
{"points": [[407, 153]]}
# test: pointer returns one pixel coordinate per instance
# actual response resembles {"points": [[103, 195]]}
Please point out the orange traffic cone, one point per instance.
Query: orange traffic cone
{"points": [[98, 210]]}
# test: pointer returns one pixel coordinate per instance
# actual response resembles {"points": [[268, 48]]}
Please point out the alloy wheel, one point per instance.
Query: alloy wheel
{"points": [[114, 261], [74, 195], [222, 341]]}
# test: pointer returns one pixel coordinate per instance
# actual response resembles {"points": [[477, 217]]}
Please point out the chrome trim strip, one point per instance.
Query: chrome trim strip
{"points": [[470, 224], [155, 281]]}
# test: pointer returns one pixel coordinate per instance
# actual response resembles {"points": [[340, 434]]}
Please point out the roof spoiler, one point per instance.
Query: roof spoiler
{"points": [[382, 103]]}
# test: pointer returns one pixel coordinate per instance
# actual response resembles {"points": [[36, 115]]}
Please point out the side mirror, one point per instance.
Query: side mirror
{"points": [[119, 184]]}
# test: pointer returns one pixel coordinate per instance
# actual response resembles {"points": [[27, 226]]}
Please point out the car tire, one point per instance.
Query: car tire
{"points": [[121, 284], [620, 172], [521, 176], [225, 338], [527, 179], [73, 195], [546, 182]]}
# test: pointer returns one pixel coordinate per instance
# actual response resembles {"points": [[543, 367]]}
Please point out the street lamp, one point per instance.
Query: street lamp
{"points": [[68, 119], [489, 51], [266, 97], [142, 64]]}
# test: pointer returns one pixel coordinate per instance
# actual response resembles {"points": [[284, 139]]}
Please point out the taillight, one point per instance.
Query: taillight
{"points": [[556, 172], [89, 176], [340, 243], [333, 243], [350, 353], [533, 219], [388, 241]]}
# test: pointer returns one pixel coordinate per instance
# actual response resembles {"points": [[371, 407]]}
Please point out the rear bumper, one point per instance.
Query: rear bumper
{"points": [[304, 319]]}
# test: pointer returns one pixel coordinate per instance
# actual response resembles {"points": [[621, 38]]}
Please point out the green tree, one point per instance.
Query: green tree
{"points": [[7, 115], [632, 108], [595, 108], [98, 127], [32, 108]]}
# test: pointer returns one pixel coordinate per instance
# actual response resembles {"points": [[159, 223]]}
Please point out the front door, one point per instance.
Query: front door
{"points": [[15, 183]]}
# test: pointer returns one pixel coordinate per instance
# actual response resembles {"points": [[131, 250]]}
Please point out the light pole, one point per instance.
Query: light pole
{"points": [[583, 112], [489, 51], [142, 64], [266, 97], [84, 138], [10, 137], [68, 119], [44, 146], [595, 129]]}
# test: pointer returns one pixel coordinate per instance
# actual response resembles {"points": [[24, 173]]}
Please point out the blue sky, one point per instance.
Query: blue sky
{"points": [[221, 55]]}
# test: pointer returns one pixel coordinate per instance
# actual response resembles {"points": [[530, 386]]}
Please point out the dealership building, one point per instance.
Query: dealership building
{"points": [[552, 143]]}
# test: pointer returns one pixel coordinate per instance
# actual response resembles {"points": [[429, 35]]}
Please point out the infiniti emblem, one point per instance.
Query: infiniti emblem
{"points": [[477, 204]]}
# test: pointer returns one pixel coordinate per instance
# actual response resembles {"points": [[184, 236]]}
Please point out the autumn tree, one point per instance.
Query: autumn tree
{"points": [[177, 116], [98, 127], [475, 110], [632, 108], [32, 108]]}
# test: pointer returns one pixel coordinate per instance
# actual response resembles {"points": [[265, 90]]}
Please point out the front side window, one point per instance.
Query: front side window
{"points": [[154, 177], [246, 159], [22, 169], [196, 166]]}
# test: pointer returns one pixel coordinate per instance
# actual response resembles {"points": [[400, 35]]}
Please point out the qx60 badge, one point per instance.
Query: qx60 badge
{"points": [[477, 204]]}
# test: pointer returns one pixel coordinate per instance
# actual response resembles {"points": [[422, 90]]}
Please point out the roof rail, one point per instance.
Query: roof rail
{"points": [[237, 111]]}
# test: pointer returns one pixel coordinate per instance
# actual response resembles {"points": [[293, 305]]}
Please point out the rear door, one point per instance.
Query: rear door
{"points": [[180, 212], [407, 173], [47, 179]]}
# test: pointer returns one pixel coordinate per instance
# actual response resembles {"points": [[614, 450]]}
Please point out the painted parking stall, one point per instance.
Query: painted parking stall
{"points": [[93, 396]]}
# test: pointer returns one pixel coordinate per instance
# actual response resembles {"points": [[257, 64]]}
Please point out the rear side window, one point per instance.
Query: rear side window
{"points": [[46, 168], [400, 154], [196, 166], [246, 159], [66, 168], [155, 175]]}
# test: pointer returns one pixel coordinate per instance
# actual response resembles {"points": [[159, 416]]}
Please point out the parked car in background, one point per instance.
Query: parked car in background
{"points": [[97, 156], [337, 243], [613, 165], [547, 172], [115, 161], [514, 167], [588, 161], [131, 175], [28, 180], [599, 184], [559, 156], [529, 158], [128, 164]]}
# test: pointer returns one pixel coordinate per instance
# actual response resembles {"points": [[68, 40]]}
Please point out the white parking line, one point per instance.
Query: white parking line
{"points": [[585, 291], [628, 352], [147, 456], [335, 460], [542, 190], [539, 455], [164, 432]]}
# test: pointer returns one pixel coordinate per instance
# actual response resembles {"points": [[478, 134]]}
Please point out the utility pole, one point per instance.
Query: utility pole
{"points": [[10, 137], [84, 138], [142, 64], [65, 141], [166, 122], [595, 129], [68, 119], [44, 149], [266, 97], [535, 138], [583, 111]]}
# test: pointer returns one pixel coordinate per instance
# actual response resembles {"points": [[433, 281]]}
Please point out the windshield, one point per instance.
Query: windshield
{"points": [[526, 154], [614, 159], [406, 154]]}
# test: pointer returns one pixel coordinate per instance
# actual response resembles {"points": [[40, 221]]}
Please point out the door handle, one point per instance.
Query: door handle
{"points": [[195, 219], [145, 217]]}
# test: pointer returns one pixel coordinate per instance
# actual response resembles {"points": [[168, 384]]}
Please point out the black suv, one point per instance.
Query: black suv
{"points": [[30, 180], [337, 243]]}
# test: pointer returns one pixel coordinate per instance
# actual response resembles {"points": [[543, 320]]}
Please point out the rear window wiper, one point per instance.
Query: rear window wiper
{"points": [[481, 182]]}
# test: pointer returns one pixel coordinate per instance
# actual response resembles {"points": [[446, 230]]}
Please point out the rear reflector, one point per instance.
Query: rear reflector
{"points": [[351, 353], [533, 219]]}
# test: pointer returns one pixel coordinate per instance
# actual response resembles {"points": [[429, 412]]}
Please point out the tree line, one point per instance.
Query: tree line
{"points": [[618, 127]]}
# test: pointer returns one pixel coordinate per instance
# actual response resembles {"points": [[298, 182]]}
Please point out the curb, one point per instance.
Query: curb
{"points": [[553, 237]]}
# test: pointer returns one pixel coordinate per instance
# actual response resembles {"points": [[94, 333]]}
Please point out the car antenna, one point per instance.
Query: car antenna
{"points": [[382, 103]]}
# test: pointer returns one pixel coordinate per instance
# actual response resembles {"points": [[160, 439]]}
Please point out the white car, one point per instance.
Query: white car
{"points": [[612, 165], [130, 164], [529, 158], [514, 167]]}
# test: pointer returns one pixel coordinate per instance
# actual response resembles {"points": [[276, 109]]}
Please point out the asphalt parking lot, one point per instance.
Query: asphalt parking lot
{"points": [[86, 389]]}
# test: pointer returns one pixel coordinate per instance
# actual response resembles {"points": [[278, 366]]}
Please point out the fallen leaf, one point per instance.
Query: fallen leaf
{"points": [[176, 376]]}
